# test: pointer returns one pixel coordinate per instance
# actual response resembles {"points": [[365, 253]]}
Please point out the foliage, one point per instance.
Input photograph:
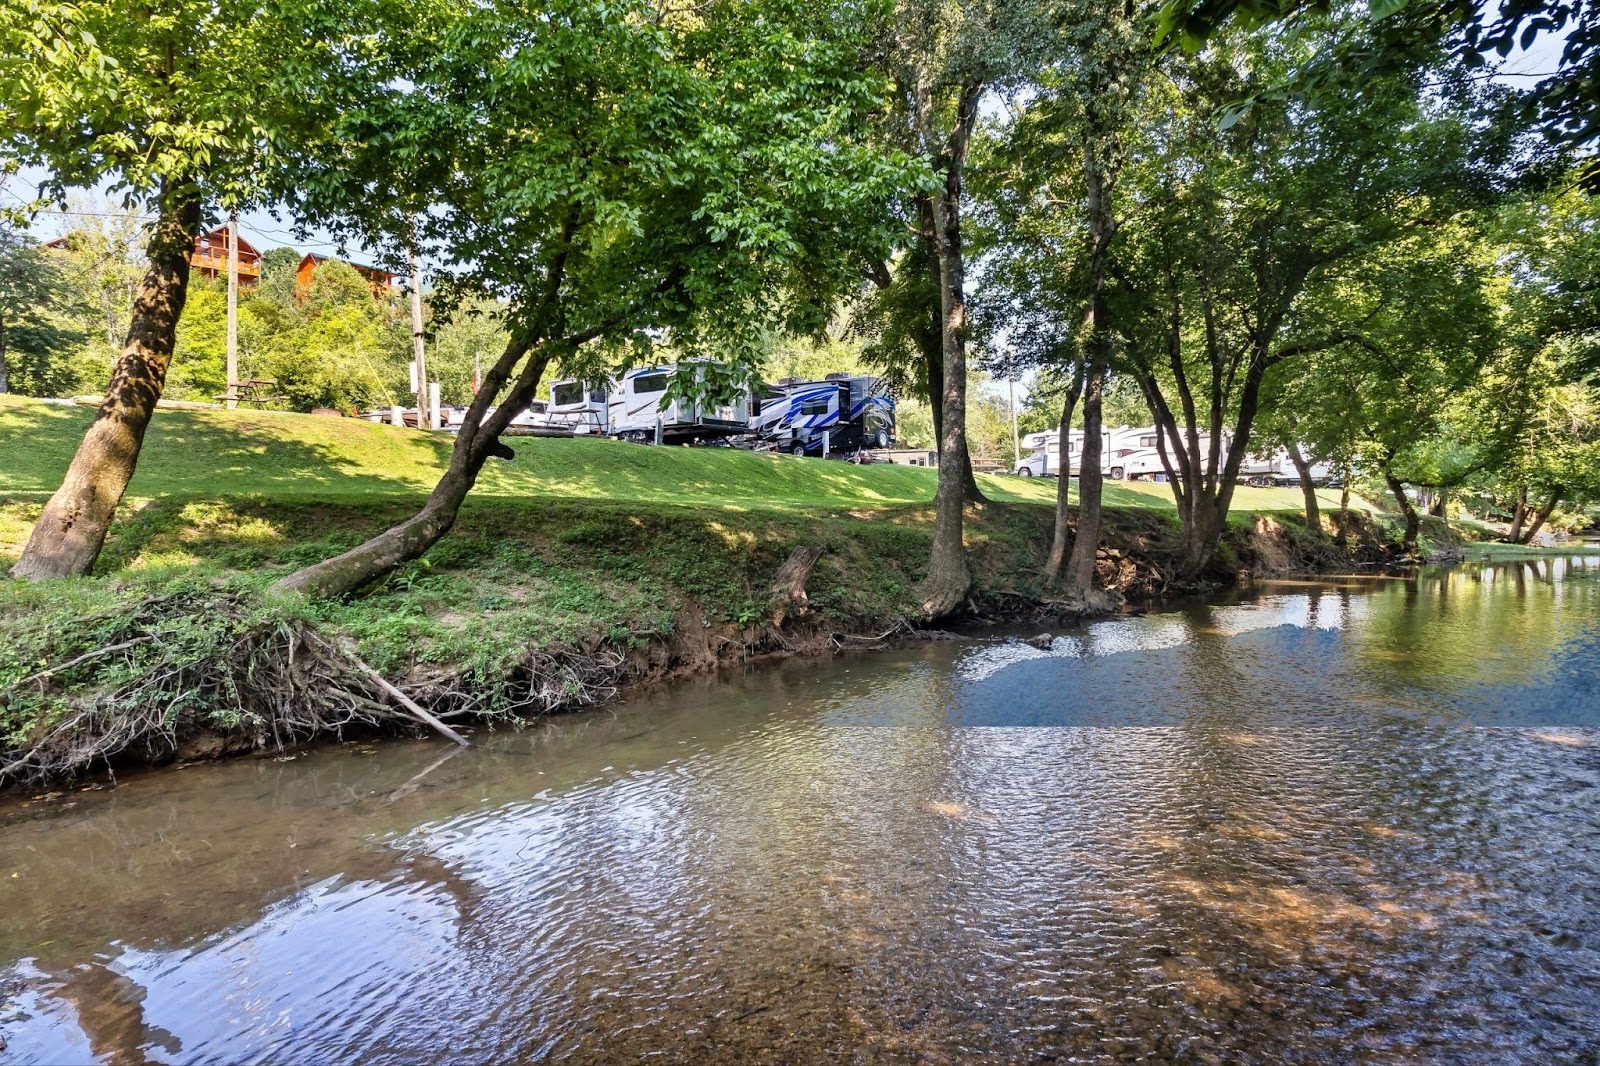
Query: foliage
{"points": [[1380, 35], [37, 342]]}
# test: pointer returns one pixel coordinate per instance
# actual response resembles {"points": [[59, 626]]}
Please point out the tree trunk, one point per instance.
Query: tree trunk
{"points": [[66, 540], [1436, 505], [1079, 576], [5, 374], [1099, 178], [1307, 489], [1197, 544], [949, 577], [933, 355], [1543, 516], [477, 441], [1519, 515], [1063, 530], [1413, 523], [1342, 536]]}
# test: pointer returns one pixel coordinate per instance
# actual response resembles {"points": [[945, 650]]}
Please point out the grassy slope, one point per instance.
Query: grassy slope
{"points": [[204, 455]]}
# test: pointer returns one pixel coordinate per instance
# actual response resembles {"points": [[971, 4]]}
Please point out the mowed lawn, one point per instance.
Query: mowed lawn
{"points": [[197, 455]]}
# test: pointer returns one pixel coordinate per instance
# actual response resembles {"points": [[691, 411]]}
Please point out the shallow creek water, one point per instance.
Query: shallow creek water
{"points": [[1354, 819]]}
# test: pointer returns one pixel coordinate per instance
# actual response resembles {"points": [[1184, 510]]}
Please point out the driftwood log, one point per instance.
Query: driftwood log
{"points": [[788, 594]]}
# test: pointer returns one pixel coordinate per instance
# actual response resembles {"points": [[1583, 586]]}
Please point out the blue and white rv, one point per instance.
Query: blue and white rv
{"points": [[841, 414]]}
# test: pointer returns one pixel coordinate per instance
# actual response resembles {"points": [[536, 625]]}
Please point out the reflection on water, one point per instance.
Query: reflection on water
{"points": [[1354, 819]]}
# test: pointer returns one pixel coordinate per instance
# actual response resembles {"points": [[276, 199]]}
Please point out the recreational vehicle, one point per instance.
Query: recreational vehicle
{"points": [[1142, 460], [1046, 459], [1278, 469], [840, 414], [580, 406], [640, 410], [532, 422]]}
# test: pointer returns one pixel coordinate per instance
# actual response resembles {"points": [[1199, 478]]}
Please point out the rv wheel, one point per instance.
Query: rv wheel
{"points": [[1026, 471], [1116, 473], [797, 448], [883, 438]]}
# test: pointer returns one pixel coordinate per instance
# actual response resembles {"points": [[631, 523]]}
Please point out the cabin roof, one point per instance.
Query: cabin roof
{"points": [[313, 260]]}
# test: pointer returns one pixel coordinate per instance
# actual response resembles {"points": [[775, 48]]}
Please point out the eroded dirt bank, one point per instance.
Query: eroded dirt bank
{"points": [[194, 665]]}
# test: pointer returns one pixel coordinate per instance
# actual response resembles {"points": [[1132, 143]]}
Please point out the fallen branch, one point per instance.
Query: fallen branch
{"points": [[411, 706], [85, 657]]}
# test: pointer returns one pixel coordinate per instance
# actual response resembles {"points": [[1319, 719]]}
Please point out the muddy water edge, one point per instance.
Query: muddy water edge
{"points": [[1323, 820]]}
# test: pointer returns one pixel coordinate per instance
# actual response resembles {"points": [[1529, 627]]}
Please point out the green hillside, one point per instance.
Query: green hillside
{"points": [[228, 454]]}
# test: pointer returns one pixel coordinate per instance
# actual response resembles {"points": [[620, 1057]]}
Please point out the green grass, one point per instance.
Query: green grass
{"points": [[199, 455]]}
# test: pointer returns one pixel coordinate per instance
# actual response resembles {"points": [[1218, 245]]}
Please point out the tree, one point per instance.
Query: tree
{"points": [[333, 346], [36, 346], [944, 59], [626, 175], [1251, 218], [1564, 105], [1549, 247], [176, 109]]}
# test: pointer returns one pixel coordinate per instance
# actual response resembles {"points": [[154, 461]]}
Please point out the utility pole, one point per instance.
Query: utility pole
{"points": [[417, 346], [1011, 392], [233, 312]]}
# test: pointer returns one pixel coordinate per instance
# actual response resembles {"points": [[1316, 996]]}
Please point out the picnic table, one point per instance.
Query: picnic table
{"points": [[255, 390]]}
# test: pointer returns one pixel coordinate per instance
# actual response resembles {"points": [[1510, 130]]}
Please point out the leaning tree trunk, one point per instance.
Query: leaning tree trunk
{"points": [[1413, 523], [933, 347], [1343, 536], [1062, 540], [1197, 543], [1543, 516], [1307, 489], [478, 440], [1099, 179], [66, 540], [1519, 516]]}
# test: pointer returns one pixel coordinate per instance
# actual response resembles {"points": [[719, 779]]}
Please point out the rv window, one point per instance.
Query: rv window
{"points": [[815, 407], [568, 392], [1072, 446], [1147, 442], [597, 396], [645, 384]]}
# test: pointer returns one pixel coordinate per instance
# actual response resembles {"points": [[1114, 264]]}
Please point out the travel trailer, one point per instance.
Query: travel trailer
{"points": [[533, 422], [1277, 468], [639, 409], [580, 406], [840, 414]]}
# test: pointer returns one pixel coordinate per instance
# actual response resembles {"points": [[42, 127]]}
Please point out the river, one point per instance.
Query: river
{"points": [[1351, 819]]}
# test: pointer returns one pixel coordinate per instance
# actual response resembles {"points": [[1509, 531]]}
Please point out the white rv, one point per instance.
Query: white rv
{"points": [[535, 421], [583, 407], [1046, 459], [1278, 469], [1139, 458], [639, 409]]}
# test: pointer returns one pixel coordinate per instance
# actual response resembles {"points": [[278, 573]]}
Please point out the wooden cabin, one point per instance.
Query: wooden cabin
{"points": [[210, 258], [381, 282]]}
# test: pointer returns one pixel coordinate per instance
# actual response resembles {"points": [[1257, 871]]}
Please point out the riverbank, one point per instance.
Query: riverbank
{"points": [[581, 569]]}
